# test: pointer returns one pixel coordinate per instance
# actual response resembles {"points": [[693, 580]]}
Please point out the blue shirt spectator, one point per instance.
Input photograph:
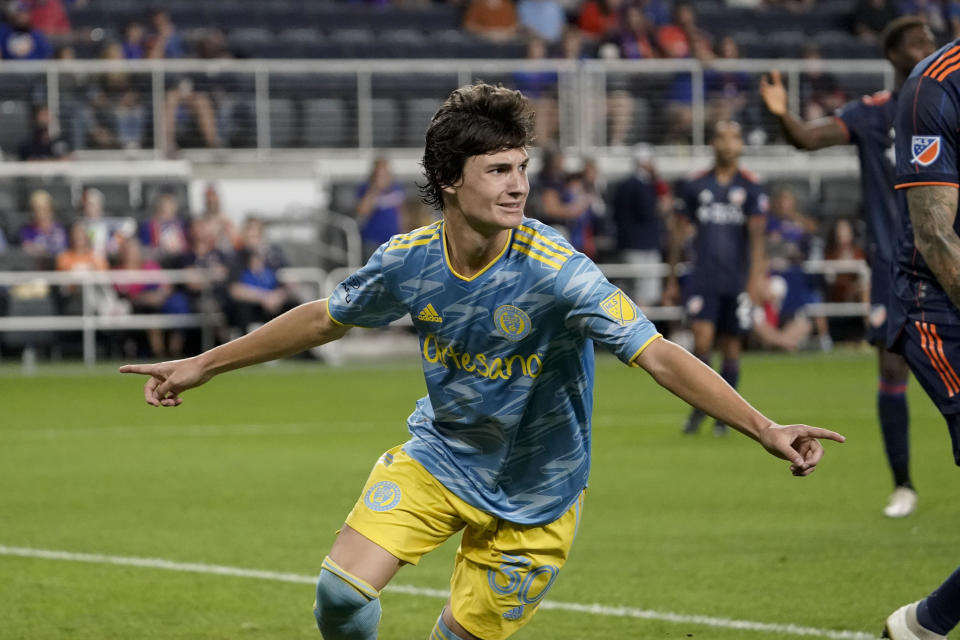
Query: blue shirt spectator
{"points": [[19, 40], [545, 18], [380, 201]]}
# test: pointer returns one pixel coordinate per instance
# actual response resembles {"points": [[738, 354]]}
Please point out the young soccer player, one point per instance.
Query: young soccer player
{"points": [[499, 449], [867, 123], [925, 319], [727, 209]]}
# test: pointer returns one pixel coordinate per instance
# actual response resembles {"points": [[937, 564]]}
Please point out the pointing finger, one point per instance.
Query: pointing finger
{"points": [[817, 432], [146, 369]]}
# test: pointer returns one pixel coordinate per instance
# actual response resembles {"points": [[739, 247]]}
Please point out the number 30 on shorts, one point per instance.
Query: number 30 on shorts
{"points": [[521, 579]]}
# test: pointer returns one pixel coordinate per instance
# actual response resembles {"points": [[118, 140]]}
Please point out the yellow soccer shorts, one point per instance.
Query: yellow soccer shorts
{"points": [[502, 571]]}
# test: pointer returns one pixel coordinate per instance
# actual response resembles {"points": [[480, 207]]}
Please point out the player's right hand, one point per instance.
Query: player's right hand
{"points": [[168, 380], [773, 93]]}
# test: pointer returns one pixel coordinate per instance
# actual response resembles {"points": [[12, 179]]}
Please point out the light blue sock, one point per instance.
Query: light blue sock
{"points": [[442, 632], [347, 608]]}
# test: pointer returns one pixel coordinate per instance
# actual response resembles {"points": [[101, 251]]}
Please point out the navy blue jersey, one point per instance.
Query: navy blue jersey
{"points": [[720, 213], [928, 143], [869, 124]]}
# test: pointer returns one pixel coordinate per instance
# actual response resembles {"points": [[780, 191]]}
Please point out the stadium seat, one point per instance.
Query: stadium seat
{"points": [[116, 195], [417, 112], [325, 123], [151, 189], [386, 122], [283, 123], [14, 126], [62, 192]]}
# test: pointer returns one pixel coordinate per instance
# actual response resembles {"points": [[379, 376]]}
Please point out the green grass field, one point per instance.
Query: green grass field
{"points": [[258, 469]]}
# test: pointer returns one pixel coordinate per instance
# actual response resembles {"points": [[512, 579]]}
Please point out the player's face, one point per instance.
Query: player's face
{"points": [[728, 144], [493, 189], [917, 44]]}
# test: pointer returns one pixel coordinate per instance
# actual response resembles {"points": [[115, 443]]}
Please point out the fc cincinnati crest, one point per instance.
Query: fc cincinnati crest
{"points": [[619, 307], [925, 149], [511, 322]]}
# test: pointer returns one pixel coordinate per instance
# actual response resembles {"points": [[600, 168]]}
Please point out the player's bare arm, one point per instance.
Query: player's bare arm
{"points": [[757, 228], [675, 369], [679, 230], [933, 210], [817, 134], [303, 327]]}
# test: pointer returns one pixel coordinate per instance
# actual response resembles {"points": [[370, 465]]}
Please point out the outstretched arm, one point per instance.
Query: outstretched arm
{"points": [[306, 326], [818, 134], [933, 210], [675, 369]]}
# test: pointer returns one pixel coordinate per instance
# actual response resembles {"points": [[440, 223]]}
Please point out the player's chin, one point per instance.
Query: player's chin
{"points": [[509, 217]]}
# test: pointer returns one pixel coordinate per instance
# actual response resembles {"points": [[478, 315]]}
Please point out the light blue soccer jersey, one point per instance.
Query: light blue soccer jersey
{"points": [[508, 360]]}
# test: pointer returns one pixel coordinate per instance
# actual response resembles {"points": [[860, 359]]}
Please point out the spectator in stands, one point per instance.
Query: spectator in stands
{"points": [[221, 226], [600, 19], [163, 40], [495, 20], [18, 39], [541, 88], [869, 17], [115, 116], [657, 12], [790, 239], [256, 293], [134, 39], [79, 256], [49, 17], [640, 205], [727, 91], [42, 145], [379, 201], [845, 287], [681, 38], [204, 254], [152, 298], [164, 232], [820, 92], [771, 328], [44, 237], [549, 184], [542, 18], [637, 39], [935, 13], [106, 232], [679, 98]]}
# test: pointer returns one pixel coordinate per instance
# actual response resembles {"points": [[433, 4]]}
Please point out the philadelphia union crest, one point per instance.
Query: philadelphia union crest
{"points": [[383, 496], [511, 322]]}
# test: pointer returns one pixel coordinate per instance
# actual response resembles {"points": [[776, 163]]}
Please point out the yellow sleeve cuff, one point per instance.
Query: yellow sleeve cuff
{"points": [[633, 359]]}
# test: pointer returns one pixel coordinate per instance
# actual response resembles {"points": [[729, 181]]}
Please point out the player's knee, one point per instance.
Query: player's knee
{"points": [[344, 611]]}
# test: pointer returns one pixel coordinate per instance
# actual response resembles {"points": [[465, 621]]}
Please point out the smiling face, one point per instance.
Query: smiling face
{"points": [[493, 190]]}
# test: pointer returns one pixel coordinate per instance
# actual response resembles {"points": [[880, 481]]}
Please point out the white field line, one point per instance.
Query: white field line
{"points": [[594, 609]]}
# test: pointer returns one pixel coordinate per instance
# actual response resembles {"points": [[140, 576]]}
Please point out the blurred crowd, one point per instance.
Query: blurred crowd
{"points": [[114, 110], [229, 270]]}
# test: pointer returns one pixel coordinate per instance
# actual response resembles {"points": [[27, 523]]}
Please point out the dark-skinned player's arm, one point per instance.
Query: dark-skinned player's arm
{"points": [[303, 327], [678, 371], [757, 230], [933, 210], [679, 229], [817, 134]]}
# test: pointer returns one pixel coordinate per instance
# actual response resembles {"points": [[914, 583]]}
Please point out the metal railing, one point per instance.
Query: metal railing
{"points": [[354, 103]]}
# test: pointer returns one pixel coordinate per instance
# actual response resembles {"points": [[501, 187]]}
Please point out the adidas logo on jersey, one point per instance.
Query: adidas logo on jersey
{"points": [[514, 614], [429, 314]]}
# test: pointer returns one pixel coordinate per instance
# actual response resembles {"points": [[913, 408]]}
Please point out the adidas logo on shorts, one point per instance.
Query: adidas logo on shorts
{"points": [[514, 614], [429, 314]]}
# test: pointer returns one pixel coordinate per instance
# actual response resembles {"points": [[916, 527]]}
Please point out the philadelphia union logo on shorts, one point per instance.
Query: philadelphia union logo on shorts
{"points": [[925, 149], [383, 496], [511, 323]]}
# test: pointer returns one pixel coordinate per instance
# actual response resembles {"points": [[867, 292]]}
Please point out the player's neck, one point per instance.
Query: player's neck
{"points": [[725, 173], [470, 250]]}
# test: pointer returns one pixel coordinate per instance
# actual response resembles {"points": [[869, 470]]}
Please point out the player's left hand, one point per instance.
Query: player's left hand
{"points": [[797, 443]]}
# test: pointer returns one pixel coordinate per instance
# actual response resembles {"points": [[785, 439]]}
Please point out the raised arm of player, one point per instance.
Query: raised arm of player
{"points": [[306, 326], [933, 210], [675, 369], [817, 134]]}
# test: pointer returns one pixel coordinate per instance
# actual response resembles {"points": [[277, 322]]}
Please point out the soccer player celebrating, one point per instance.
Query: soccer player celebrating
{"points": [[726, 209], [868, 123], [507, 314], [925, 314]]}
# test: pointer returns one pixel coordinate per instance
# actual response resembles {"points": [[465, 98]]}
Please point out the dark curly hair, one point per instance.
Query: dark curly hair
{"points": [[476, 119]]}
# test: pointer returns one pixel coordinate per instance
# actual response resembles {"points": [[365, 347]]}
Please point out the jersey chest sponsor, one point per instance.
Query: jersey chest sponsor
{"points": [[720, 213], [493, 366]]}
